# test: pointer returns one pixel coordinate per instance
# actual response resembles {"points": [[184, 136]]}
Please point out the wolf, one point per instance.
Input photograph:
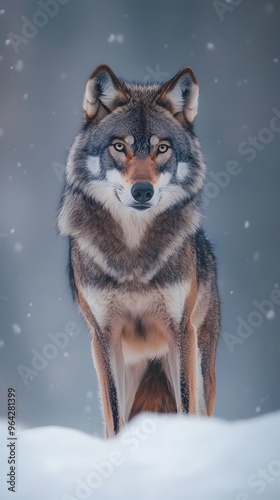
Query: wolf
{"points": [[141, 269]]}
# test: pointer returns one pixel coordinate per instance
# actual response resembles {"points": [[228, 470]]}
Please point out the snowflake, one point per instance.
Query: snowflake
{"points": [[270, 314]]}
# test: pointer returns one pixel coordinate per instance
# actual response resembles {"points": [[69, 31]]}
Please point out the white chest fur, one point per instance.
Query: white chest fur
{"points": [[140, 321]]}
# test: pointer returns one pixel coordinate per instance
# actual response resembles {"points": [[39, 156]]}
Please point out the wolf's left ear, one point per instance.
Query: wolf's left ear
{"points": [[104, 92], [180, 94]]}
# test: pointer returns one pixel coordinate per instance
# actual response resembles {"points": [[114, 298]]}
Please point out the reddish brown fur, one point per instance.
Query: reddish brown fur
{"points": [[154, 393], [141, 170]]}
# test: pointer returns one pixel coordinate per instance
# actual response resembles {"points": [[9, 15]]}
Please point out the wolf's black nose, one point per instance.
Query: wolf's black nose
{"points": [[142, 191]]}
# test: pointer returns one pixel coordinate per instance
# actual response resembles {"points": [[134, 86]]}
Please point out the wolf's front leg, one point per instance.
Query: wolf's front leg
{"points": [[189, 375], [109, 396]]}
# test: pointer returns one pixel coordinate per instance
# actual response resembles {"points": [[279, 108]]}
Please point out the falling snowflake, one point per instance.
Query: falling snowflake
{"points": [[2, 343], [246, 224], [12, 231], [18, 247], [270, 314], [16, 328], [210, 46], [119, 38], [115, 38], [269, 8], [19, 66], [258, 409], [89, 395], [256, 256]]}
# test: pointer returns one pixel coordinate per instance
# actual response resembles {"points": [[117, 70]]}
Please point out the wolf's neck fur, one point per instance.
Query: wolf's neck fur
{"points": [[108, 242]]}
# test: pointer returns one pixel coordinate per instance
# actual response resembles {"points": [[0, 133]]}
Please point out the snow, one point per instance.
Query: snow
{"points": [[256, 256], [16, 328], [18, 247], [19, 66], [154, 457], [116, 38], [246, 224], [270, 314], [269, 8]]}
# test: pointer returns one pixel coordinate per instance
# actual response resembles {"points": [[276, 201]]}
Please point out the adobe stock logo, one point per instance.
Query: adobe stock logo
{"points": [[222, 7], [246, 327], [250, 148], [41, 359], [46, 9]]}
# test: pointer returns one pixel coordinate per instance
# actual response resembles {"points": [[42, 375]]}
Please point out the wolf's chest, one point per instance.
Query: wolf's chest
{"points": [[140, 320]]}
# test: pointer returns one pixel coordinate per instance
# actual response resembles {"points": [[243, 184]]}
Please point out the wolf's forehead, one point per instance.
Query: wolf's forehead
{"points": [[154, 139], [141, 125]]}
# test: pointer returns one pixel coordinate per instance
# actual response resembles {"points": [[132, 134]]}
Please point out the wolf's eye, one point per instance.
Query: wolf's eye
{"points": [[162, 148], [120, 147]]}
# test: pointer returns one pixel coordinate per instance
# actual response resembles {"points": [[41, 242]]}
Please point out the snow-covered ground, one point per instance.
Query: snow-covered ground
{"points": [[155, 457]]}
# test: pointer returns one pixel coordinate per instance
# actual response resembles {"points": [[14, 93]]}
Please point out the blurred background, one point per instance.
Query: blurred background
{"points": [[48, 48]]}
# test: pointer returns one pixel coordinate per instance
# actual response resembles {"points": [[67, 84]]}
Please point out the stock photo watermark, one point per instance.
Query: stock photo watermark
{"points": [[46, 10], [259, 481], [130, 441], [226, 6], [155, 75], [249, 148], [246, 327], [41, 359]]}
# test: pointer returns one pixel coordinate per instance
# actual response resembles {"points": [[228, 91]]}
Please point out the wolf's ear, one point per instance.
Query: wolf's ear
{"points": [[180, 94], [104, 92]]}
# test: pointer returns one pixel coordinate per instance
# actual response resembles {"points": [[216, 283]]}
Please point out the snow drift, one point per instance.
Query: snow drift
{"points": [[154, 457]]}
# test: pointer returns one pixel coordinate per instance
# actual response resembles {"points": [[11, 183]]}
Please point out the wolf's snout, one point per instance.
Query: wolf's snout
{"points": [[142, 191]]}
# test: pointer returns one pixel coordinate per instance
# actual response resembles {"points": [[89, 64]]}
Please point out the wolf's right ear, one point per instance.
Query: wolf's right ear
{"points": [[104, 92]]}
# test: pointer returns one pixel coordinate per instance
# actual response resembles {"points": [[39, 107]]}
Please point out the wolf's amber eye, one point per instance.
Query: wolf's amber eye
{"points": [[120, 147], [162, 148]]}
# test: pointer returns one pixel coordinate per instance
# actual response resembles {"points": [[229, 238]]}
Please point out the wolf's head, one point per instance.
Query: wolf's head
{"points": [[137, 150]]}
